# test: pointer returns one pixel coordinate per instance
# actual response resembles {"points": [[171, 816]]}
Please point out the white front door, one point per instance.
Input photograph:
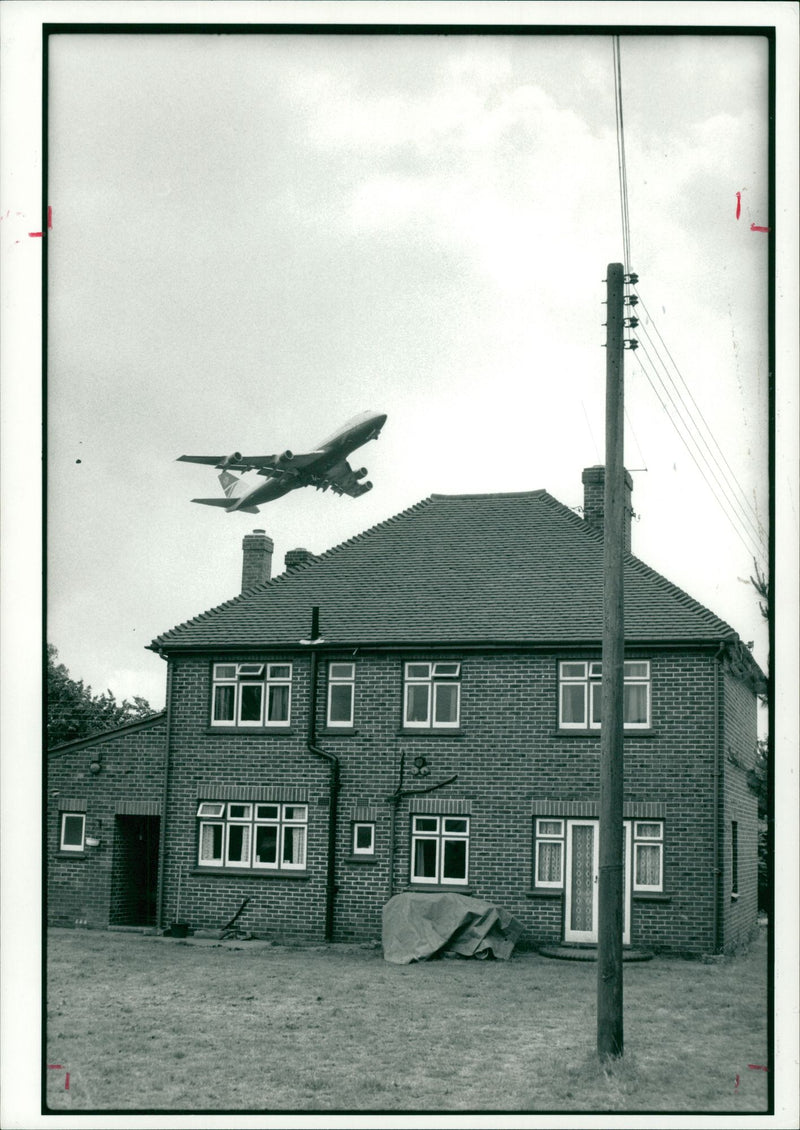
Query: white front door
{"points": [[582, 882]]}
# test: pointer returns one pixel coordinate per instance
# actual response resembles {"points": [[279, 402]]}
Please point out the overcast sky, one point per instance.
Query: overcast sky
{"points": [[256, 237]]}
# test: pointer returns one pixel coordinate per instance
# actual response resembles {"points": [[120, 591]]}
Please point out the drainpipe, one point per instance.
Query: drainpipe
{"points": [[162, 837], [333, 762], [717, 817]]}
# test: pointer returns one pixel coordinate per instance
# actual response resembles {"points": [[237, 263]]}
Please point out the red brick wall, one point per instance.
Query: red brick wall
{"points": [[509, 759], [740, 912], [79, 888]]}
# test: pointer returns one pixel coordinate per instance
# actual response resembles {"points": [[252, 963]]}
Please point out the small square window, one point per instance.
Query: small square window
{"points": [[73, 828], [240, 812], [363, 839]]}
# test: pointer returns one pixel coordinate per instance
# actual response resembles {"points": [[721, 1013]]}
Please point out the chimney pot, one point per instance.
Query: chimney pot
{"points": [[256, 559], [295, 557], [593, 479]]}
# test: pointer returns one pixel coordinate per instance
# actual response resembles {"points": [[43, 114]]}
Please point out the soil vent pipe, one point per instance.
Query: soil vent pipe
{"points": [[333, 762]]}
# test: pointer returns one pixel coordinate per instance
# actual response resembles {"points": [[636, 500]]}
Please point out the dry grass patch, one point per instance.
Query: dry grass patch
{"points": [[156, 1024]]}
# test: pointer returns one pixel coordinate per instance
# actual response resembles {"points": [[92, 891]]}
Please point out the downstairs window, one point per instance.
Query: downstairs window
{"points": [[440, 850], [269, 837]]}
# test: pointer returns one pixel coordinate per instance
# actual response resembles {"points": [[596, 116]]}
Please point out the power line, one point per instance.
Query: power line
{"points": [[729, 470], [621, 164], [706, 453], [751, 544]]}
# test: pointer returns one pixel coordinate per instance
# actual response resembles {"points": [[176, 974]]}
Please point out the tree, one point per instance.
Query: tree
{"points": [[758, 776], [73, 712]]}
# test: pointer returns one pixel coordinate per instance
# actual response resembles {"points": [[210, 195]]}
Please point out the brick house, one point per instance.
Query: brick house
{"points": [[419, 709]]}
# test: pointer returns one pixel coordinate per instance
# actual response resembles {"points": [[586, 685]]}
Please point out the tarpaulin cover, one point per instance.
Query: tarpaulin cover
{"points": [[417, 926]]}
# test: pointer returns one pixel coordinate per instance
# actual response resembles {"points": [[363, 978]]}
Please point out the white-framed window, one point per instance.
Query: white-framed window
{"points": [[341, 693], [580, 694], [440, 850], [363, 838], [72, 831], [432, 696], [251, 694], [648, 855], [253, 835], [549, 853]]}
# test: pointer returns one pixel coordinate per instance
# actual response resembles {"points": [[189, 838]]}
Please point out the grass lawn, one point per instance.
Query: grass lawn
{"points": [[145, 1023]]}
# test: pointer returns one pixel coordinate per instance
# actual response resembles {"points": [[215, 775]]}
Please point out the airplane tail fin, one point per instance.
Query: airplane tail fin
{"points": [[228, 481]]}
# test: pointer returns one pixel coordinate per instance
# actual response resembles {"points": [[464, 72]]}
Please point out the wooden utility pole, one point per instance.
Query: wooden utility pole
{"points": [[609, 933]]}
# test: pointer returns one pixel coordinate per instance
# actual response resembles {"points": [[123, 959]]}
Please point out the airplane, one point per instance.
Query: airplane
{"points": [[325, 467]]}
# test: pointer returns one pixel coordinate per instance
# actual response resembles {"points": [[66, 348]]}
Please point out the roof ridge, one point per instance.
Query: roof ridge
{"points": [[491, 494]]}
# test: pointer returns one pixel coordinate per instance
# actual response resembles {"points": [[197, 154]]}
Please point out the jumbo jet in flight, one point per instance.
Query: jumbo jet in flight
{"points": [[325, 467]]}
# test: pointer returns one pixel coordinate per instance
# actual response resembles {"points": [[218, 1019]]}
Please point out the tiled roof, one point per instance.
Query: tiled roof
{"points": [[461, 569]]}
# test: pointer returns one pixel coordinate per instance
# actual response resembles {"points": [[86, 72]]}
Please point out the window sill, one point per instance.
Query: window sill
{"points": [[544, 893], [248, 873], [735, 896], [438, 889], [431, 732], [360, 859], [251, 731], [72, 855], [566, 733], [650, 896]]}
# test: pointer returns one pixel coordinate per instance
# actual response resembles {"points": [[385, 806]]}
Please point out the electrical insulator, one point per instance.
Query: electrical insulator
{"points": [[631, 323], [630, 300], [630, 343], [632, 278]]}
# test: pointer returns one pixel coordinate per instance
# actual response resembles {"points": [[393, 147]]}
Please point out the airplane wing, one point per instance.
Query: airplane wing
{"points": [[265, 464]]}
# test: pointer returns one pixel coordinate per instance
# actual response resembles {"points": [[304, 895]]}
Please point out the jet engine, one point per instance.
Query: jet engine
{"points": [[360, 473], [235, 458], [285, 459]]}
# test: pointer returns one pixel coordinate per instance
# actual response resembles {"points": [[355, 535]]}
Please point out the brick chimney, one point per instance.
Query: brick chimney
{"points": [[295, 557], [593, 509], [256, 559]]}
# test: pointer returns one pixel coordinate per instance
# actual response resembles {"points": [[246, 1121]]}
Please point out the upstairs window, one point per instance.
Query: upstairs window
{"points": [[432, 696], [341, 693], [258, 836], [251, 694], [440, 850], [580, 695]]}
